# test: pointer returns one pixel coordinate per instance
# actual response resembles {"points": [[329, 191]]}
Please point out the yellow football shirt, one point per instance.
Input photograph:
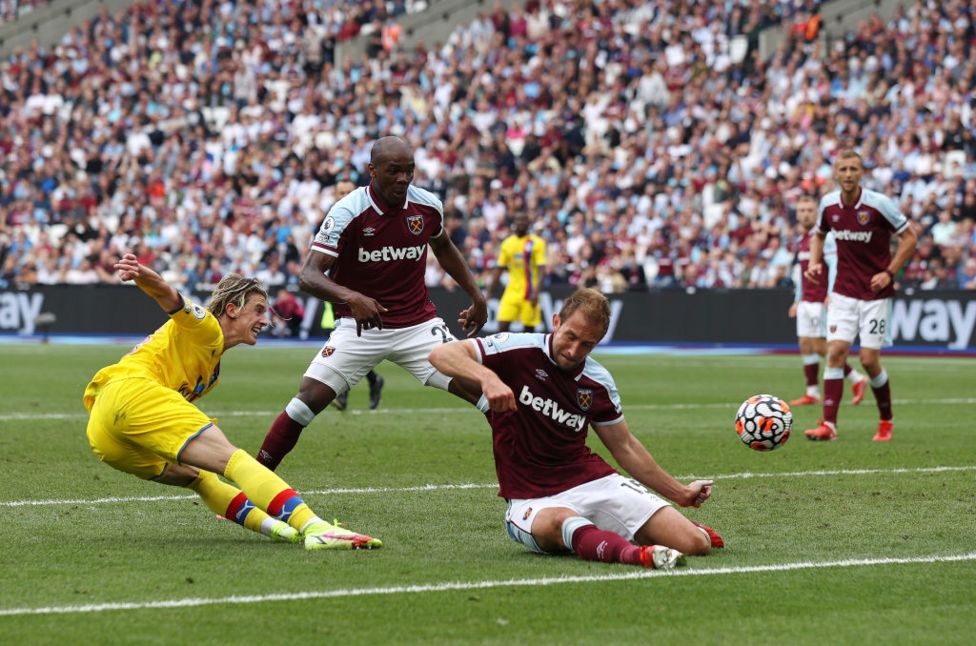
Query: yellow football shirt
{"points": [[522, 256], [183, 354]]}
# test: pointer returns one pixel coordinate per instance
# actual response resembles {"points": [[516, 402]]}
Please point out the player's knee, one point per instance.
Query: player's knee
{"points": [[311, 400], [547, 529], [698, 544], [178, 475]]}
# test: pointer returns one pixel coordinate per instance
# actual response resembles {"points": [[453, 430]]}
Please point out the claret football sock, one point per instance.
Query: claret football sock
{"points": [[593, 544], [882, 394], [284, 433], [811, 374], [833, 393]]}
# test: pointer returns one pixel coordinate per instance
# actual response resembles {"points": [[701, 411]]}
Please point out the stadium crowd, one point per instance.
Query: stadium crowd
{"points": [[11, 10], [648, 141]]}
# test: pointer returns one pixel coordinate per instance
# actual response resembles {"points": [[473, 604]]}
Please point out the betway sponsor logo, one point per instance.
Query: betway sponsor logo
{"points": [[935, 321], [19, 310], [551, 410], [853, 236], [386, 254]]}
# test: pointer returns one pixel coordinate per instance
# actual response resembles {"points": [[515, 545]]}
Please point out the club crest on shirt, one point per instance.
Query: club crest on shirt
{"points": [[327, 351], [415, 223], [863, 217], [584, 397]]}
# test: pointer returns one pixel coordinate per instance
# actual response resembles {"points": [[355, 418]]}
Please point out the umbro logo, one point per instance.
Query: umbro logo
{"points": [[541, 374], [369, 232]]}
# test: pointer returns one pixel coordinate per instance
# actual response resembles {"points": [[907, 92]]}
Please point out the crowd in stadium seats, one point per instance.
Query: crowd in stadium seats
{"points": [[648, 141], [11, 10]]}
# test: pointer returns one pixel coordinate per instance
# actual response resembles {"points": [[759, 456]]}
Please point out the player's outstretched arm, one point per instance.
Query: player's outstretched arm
{"points": [[493, 279], [312, 280], [634, 458], [473, 318], [148, 281], [458, 359]]}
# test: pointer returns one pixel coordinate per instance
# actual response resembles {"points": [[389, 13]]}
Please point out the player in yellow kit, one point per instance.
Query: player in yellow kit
{"points": [[523, 254], [142, 422]]}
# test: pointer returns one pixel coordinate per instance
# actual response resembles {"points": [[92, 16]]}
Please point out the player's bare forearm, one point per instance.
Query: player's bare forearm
{"points": [[537, 284], [313, 280], [452, 262], [457, 359], [473, 318], [151, 283], [815, 266], [634, 458], [907, 242], [493, 279]]}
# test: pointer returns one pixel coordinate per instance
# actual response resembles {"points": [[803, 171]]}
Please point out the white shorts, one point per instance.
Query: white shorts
{"points": [[848, 318], [811, 320], [346, 358], [612, 503]]}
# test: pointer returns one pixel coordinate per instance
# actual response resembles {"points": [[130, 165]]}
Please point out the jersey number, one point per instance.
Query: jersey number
{"points": [[877, 326], [633, 484], [443, 331]]}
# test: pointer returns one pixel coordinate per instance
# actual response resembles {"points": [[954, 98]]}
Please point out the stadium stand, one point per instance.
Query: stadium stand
{"points": [[652, 144]]}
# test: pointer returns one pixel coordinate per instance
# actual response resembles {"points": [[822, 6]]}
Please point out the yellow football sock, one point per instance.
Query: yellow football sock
{"points": [[268, 491], [231, 503]]}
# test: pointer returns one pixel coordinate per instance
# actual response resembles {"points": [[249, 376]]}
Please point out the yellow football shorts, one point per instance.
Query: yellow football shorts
{"points": [[140, 427], [512, 308]]}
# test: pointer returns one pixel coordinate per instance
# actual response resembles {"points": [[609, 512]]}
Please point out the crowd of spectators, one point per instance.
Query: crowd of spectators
{"points": [[11, 10], [649, 142]]}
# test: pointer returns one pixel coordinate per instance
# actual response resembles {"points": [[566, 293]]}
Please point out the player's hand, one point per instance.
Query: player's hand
{"points": [[880, 281], [128, 267], [473, 319], [813, 272], [500, 397], [792, 312], [696, 493], [367, 312]]}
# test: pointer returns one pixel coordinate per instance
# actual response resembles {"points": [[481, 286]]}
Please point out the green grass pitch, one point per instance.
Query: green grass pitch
{"points": [[844, 542]]}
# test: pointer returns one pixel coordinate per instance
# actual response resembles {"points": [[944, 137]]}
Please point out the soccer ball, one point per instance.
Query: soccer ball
{"points": [[764, 422]]}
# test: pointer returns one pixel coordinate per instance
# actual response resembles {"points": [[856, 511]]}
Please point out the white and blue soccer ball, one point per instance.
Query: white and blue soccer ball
{"points": [[764, 422]]}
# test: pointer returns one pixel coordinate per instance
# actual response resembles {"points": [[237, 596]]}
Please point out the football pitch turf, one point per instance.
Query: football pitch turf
{"points": [[842, 542]]}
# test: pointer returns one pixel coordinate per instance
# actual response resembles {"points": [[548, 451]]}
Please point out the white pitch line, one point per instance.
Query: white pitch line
{"points": [[477, 585], [745, 475], [6, 417]]}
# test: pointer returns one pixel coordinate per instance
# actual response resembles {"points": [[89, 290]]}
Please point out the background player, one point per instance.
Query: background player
{"points": [[543, 390], [863, 222], [369, 258], [343, 188], [142, 422], [810, 310], [523, 255]]}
